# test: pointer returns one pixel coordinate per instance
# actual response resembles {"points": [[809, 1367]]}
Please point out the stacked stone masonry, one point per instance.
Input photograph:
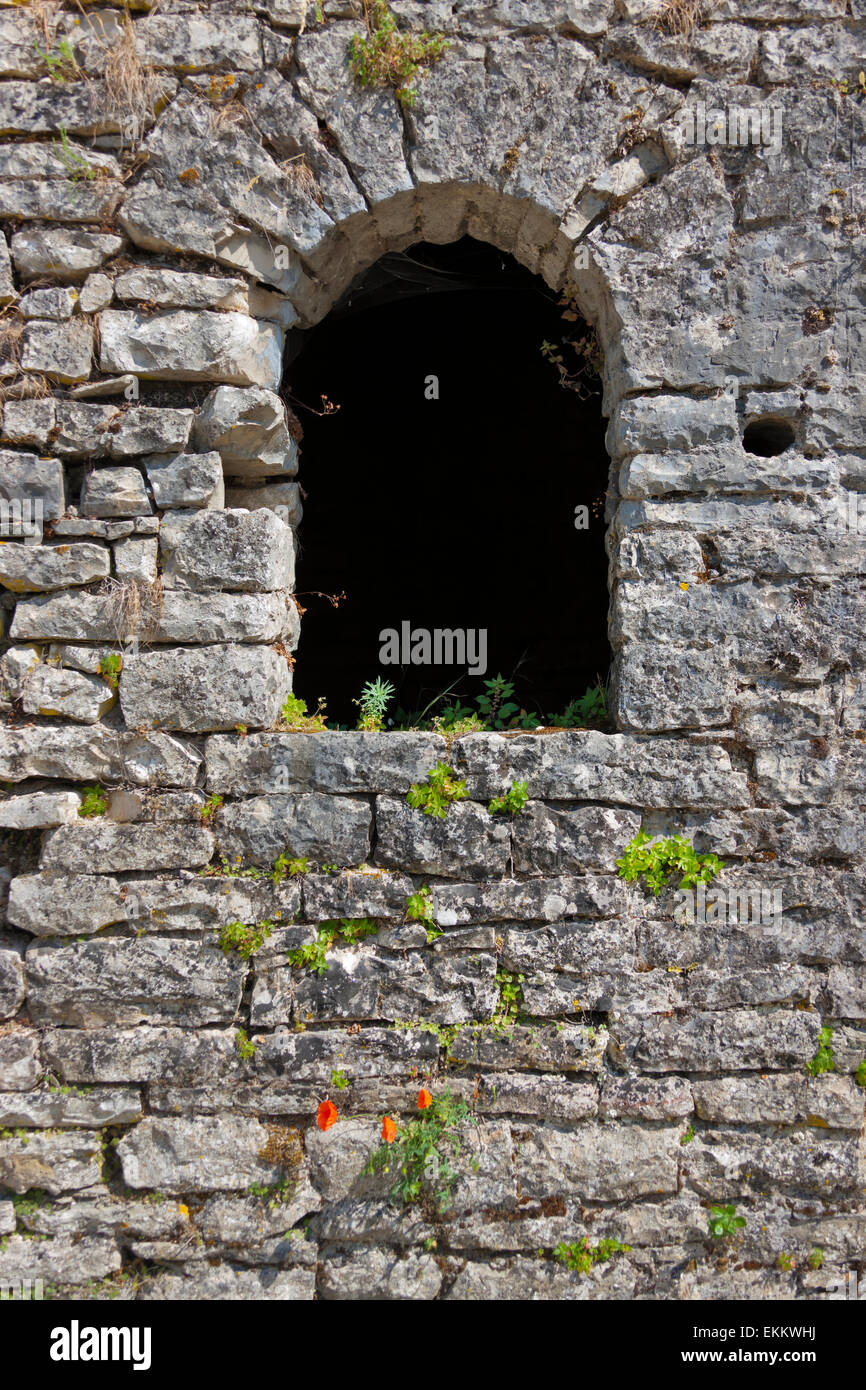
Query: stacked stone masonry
{"points": [[154, 254]]}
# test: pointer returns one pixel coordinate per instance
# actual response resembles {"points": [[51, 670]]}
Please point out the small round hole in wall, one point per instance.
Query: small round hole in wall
{"points": [[768, 437]]}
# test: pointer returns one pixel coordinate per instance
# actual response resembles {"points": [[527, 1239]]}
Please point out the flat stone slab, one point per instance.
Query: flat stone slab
{"points": [[125, 980], [191, 345]]}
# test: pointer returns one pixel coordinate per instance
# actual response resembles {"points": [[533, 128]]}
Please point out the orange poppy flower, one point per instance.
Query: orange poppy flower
{"points": [[389, 1129], [424, 1099], [326, 1115]]}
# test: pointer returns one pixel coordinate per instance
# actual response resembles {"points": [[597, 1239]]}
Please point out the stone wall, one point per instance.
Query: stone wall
{"points": [[176, 195]]}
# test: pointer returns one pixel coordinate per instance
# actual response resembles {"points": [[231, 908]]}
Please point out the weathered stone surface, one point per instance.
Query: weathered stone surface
{"points": [[59, 904], [81, 755], [211, 688], [66, 694], [283, 498], [136, 559], [248, 429], [601, 767], [598, 1162], [191, 345], [96, 293], [53, 1162], [736, 1040], [110, 492], [373, 984], [388, 1273], [186, 480], [173, 289], [183, 616], [547, 1048], [68, 255], [339, 1155], [28, 479], [531, 900], [113, 848], [149, 430], [198, 1155], [31, 568], [728, 1163], [363, 892], [39, 809], [12, 983], [124, 981], [53, 1110], [166, 219], [322, 828], [467, 843], [134, 1054], [251, 551], [823, 1101], [538, 1280], [329, 762], [66, 1261], [645, 1098], [20, 1062], [227, 1282], [550, 841], [48, 304]]}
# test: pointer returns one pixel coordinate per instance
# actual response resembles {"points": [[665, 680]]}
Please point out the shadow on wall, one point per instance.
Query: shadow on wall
{"points": [[443, 492]]}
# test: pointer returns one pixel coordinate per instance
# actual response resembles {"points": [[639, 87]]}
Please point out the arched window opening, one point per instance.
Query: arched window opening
{"points": [[456, 497]]}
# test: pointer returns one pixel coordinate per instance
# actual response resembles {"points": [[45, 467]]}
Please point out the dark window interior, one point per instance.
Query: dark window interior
{"points": [[449, 513], [768, 437]]}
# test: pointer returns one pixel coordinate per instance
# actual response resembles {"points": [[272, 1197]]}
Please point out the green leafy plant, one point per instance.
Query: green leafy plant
{"points": [[94, 802], [375, 697], [496, 706], [580, 1257], [590, 708], [353, 929], [512, 803], [656, 860], [723, 1221], [110, 667], [510, 999], [860, 1074], [689, 1135], [283, 865], [785, 1262], [245, 1049], [295, 719], [815, 1258], [825, 1058], [423, 1150], [61, 62], [210, 808], [313, 956], [419, 906], [243, 938], [388, 57], [339, 1079], [439, 792]]}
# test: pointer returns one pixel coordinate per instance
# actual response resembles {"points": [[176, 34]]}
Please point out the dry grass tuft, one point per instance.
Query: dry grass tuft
{"points": [[679, 17], [302, 178], [131, 88], [134, 608]]}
